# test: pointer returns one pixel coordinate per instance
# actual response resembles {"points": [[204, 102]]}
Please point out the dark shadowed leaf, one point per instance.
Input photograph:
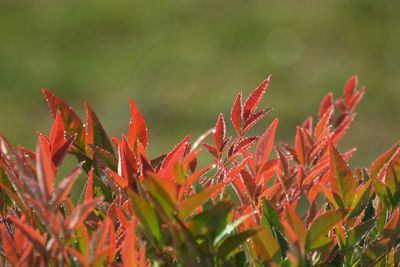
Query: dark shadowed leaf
{"points": [[233, 242], [95, 133]]}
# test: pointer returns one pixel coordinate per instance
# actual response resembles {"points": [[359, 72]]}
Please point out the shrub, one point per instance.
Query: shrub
{"points": [[299, 206]]}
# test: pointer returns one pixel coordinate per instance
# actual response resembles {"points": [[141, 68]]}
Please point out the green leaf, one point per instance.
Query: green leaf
{"points": [[320, 228], [213, 220], [94, 131], [391, 174], [270, 217], [296, 224], [342, 180], [382, 191], [233, 242], [231, 227], [355, 235], [360, 200], [146, 214], [163, 191], [189, 205], [265, 245]]}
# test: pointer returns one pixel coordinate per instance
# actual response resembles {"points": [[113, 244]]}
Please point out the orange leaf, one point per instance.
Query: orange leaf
{"points": [[137, 127], [129, 251]]}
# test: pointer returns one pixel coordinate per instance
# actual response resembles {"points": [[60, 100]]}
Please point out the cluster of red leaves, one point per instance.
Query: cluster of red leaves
{"points": [[302, 206]]}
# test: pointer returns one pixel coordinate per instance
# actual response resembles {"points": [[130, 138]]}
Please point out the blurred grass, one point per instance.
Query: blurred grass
{"points": [[183, 62]]}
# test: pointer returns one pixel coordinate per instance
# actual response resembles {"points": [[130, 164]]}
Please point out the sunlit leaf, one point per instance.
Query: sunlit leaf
{"points": [[342, 180], [190, 204], [321, 226], [137, 127], [237, 113], [254, 99], [72, 122]]}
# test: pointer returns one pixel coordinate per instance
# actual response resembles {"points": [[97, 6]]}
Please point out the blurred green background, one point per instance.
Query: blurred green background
{"points": [[184, 61]]}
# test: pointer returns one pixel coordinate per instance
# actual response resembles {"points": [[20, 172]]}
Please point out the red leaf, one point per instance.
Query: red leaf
{"points": [[121, 181], [383, 159], [357, 98], [342, 181], [244, 144], [341, 129], [177, 153], [300, 147], [59, 155], [349, 89], [237, 113], [190, 181], [236, 170], [326, 103], [211, 149], [27, 153], [254, 99], [57, 134], [219, 132], [79, 257], [128, 164], [121, 217], [129, 252], [283, 167], [64, 188], [8, 245], [137, 127], [307, 125], [112, 242], [81, 212], [97, 243], [266, 143], [33, 235], [95, 133], [323, 123], [253, 119], [72, 122], [299, 230], [89, 186], [44, 168], [249, 182]]}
